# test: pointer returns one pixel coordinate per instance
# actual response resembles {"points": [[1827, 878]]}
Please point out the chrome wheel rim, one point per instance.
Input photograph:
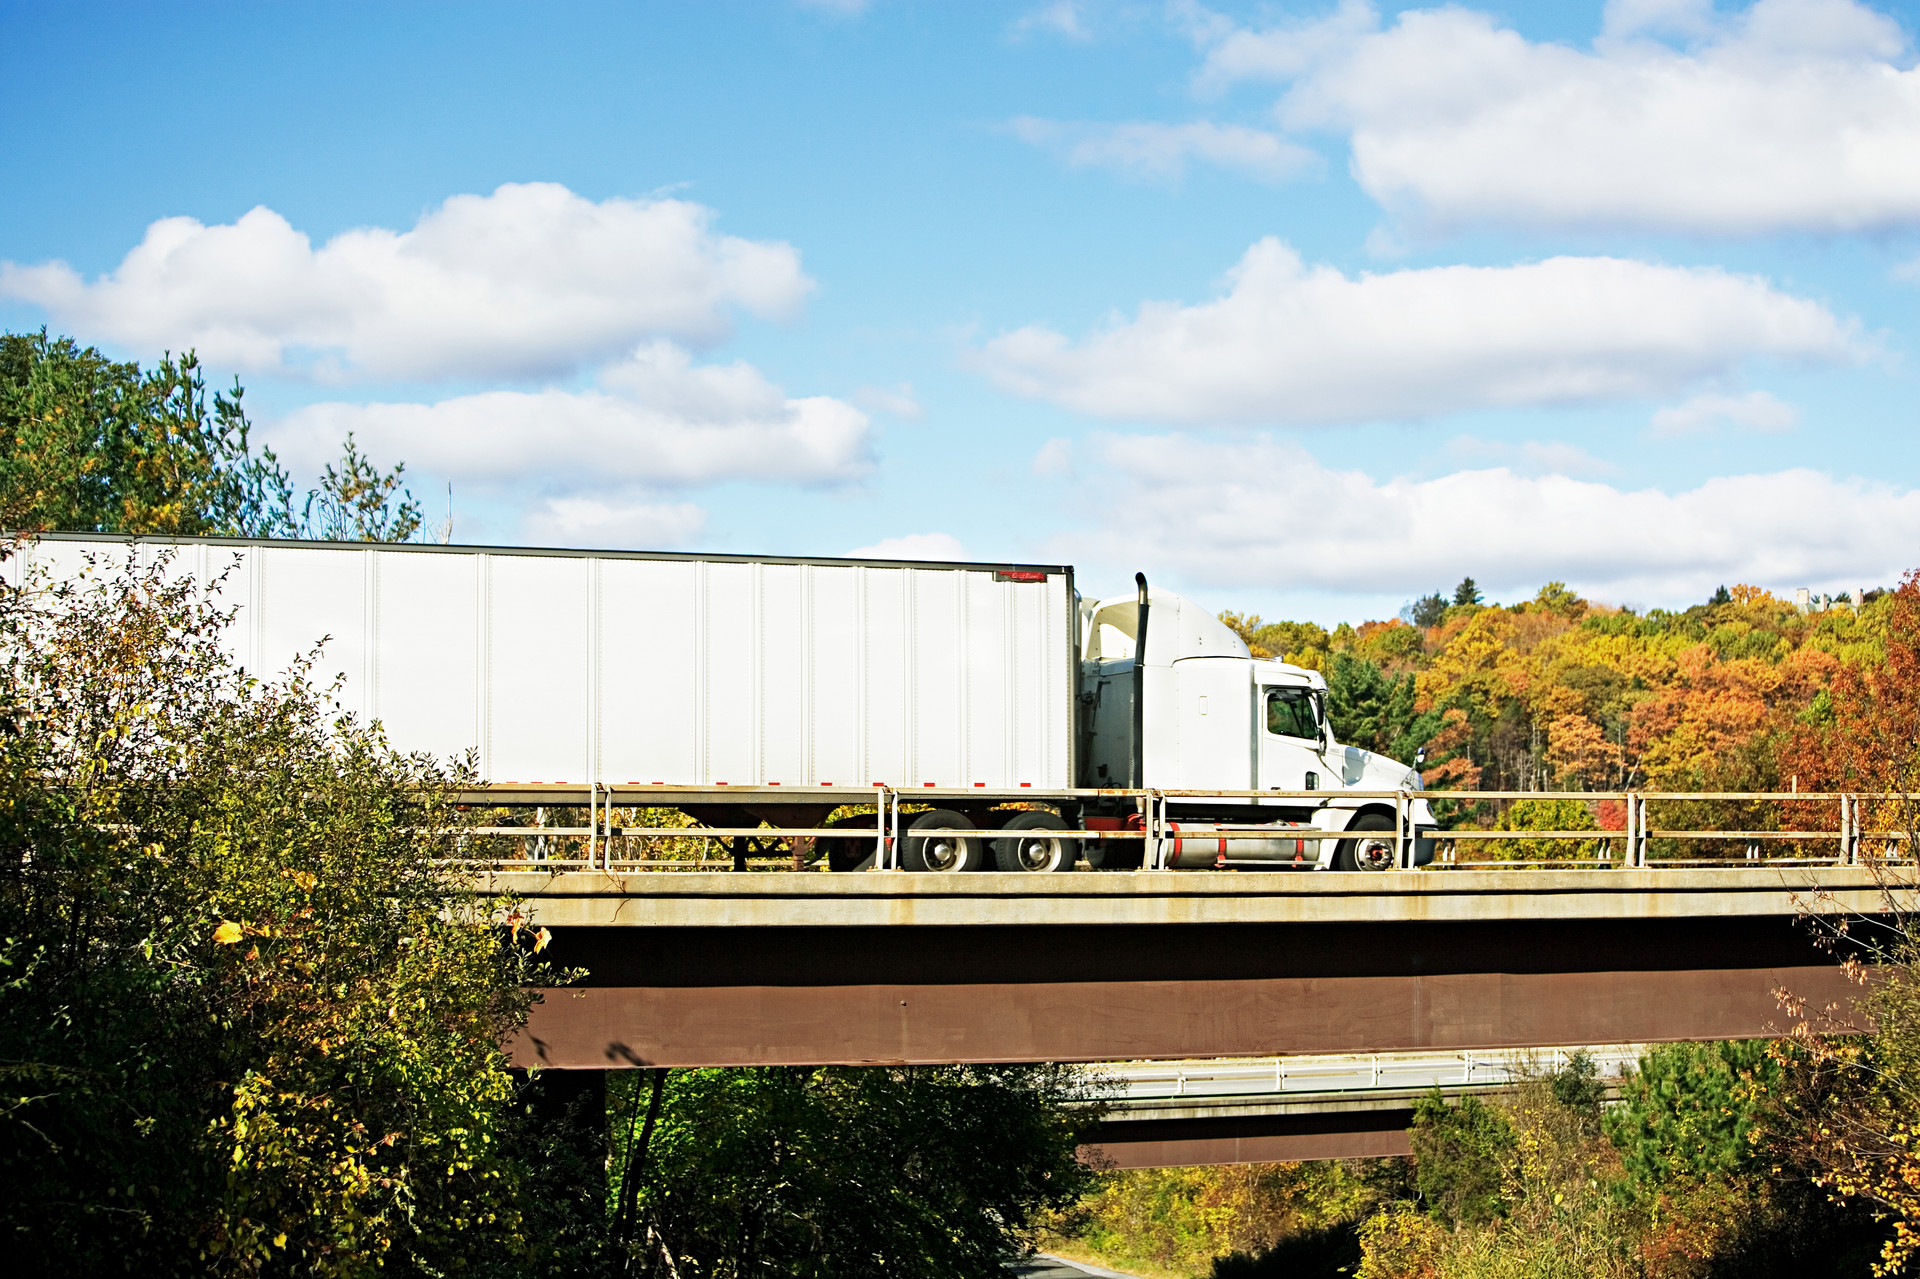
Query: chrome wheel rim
{"points": [[1373, 853], [1037, 853], [940, 852]]}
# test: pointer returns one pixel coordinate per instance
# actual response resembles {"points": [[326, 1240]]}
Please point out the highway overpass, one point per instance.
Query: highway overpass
{"points": [[761, 969], [1254, 1110]]}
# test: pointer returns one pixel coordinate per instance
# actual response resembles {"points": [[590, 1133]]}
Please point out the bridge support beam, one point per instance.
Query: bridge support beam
{"points": [[750, 994], [1252, 1139]]}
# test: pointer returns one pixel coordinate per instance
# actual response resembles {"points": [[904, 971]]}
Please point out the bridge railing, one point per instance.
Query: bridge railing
{"points": [[640, 829]]}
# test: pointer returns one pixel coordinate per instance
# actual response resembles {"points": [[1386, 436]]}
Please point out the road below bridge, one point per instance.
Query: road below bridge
{"points": [[691, 969]]}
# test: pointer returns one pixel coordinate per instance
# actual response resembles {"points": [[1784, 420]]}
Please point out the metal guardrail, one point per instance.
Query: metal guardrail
{"points": [[1351, 1072], [605, 845]]}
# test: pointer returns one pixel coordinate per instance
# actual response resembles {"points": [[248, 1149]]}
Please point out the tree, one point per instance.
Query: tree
{"points": [[1427, 611], [1721, 595], [1554, 597], [1576, 1087], [356, 502], [248, 1022], [89, 445], [880, 1171], [1459, 1158], [1374, 710], [1466, 592], [1691, 1111]]}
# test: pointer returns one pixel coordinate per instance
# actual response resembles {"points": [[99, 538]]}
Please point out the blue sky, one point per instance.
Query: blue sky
{"points": [[1301, 308]]}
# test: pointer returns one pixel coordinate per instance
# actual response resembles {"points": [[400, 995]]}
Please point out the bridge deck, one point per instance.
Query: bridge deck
{"points": [[707, 899]]}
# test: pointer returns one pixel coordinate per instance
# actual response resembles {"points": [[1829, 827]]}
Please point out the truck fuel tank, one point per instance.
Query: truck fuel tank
{"points": [[1207, 845]]}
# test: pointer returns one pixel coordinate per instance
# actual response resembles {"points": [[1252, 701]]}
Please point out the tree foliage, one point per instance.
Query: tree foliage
{"points": [[1235, 1219], [358, 502], [1459, 1156], [1560, 693], [901, 1172], [1692, 1111], [248, 1024], [91, 445]]}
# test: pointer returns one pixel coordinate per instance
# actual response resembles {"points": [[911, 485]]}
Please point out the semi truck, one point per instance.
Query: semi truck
{"points": [[992, 717]]}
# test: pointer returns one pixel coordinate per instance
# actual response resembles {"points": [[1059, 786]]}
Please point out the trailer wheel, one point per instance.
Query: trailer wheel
{"points": [[1369, 852], [943, 854], [847, 852], [1027, 847]]}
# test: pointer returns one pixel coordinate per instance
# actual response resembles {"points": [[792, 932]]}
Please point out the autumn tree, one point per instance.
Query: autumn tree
{"points": [[1850, 1106], [249, 1024]]}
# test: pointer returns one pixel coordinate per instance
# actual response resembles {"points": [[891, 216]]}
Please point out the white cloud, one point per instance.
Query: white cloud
{"points": [[1161, 152], [1793, 114], [1278, 53], [1264, 513], [656, 419], [1556, 457], [1297, 344], [912, 546], [1062, 17], [1756, 411], [1054, 461], [1624, 18], [625, 522], [897, 401], [530, 281]]}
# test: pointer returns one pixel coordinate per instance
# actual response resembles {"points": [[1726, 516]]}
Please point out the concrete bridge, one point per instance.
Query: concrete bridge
{"points": [[709, 968]]}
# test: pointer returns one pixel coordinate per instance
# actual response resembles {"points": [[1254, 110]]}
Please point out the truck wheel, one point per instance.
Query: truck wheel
{"points": [[945, 854], [1369, 852], [844, 852], [1027, 847]]}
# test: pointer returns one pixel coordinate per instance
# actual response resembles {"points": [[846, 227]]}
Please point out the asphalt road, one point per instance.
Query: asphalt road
{"points": [[1044, 1266]]}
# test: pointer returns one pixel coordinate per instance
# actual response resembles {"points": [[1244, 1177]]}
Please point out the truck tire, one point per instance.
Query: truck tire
{"points": [[1370, 852], [943, 854], [1026, 846], [844, 852]]}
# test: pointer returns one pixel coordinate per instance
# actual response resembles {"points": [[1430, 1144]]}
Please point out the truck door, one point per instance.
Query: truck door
{"points": [[1290, 740]]}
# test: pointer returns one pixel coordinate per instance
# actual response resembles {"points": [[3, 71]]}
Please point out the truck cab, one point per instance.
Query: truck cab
{"points": [[1197, 712]]}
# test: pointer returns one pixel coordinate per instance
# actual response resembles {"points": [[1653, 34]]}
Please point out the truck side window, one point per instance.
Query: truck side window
{"points": [[1290, 713]]}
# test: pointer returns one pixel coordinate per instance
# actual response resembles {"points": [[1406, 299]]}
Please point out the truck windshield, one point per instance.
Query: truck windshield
{"points": [[1290, 713]]}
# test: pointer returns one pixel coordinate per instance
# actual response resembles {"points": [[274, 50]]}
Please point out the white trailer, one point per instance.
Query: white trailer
{"points": [[789, 687]]}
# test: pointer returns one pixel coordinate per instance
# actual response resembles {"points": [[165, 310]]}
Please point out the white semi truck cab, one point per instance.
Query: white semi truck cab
{"points": [[1192, 710]]}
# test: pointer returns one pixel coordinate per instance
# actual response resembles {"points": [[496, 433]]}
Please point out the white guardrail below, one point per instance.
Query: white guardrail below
{"points": [[1356, 1073]]}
